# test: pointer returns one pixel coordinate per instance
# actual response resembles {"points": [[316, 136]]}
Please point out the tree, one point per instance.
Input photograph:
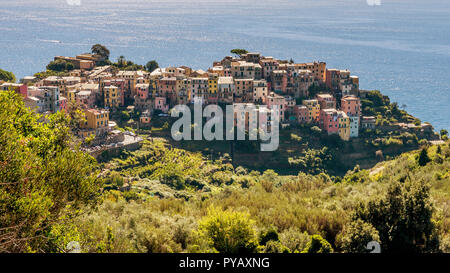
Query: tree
{"points": [[121, 61], [7, 76], [151, 66], [443, 132], [423, 158], [41, 176], [318, 245], [313, 161], [101, 50], [356, 235], [60, 65], [403, 218], [228, 231], [239, 52]]}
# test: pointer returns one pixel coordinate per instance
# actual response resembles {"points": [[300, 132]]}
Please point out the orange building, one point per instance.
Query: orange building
{"points": [[319, 69]]}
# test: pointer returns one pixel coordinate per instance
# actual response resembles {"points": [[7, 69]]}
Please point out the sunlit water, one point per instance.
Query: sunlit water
{"points": [[401, 47]]}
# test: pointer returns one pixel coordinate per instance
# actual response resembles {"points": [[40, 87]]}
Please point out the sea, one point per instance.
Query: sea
{"points": [[400, 47]]}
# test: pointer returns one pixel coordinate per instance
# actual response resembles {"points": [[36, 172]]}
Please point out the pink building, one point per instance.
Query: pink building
{"points": [[167, 86], [279, 81], [329, 121], [142, 91], [326, 101], [277, 103], [86, 98], [351, 105], [161, 104], [21, 89], [301, 113], [62, 104]]}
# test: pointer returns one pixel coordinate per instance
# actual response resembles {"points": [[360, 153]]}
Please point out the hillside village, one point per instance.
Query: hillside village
{"points": [[337, 168], [303, 93]]}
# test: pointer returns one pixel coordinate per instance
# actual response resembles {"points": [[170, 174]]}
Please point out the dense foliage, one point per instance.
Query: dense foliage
{"points": [[7, 76], [60, 66], [43, 179], [215, 207]]}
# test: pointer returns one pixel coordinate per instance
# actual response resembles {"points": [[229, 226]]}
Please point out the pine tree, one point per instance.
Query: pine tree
{"points": [[423, 157]]}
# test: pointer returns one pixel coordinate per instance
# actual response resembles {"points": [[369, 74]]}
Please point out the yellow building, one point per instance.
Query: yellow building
{"points": [[313, 110], [212, 83], [344, 126], [153, 87], [112, 96], [71, 95], [96, 122]]}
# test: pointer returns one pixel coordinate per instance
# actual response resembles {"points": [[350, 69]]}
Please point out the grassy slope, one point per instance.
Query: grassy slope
{"points": [[291, 204]]}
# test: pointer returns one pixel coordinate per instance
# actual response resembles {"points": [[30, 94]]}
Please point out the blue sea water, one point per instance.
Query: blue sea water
{"points": [[401, 47]]}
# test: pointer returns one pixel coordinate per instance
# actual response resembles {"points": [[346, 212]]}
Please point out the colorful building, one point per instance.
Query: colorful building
{"points": [[21, 89], [329, 120], [279, 80], [313, 110], [277, 103], [243, 90], [344, 126], [111, 96], [260, 91], [351, 105], [97, 121], [326, 101], [317, 68], [226, 89], [301, 113], [161, 104]]}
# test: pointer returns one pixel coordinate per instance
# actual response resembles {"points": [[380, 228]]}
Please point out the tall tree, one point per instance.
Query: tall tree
{"points": [[403, 218], [423, 157], [101, 50], [151, 66]]}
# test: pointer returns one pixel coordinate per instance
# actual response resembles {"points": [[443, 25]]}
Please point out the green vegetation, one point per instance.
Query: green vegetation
{"points": [[7, 76], [48, 73], [226, 232], [151, 66], [124, 64], [379, 106], [239, 52], [101, 50], [172, 200], [44, 179], [60, 66]]}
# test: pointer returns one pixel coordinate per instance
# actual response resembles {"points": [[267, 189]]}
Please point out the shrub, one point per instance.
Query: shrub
{"points": [[318, 245], [294, 239], [275, 247], [403, 218], [228, 231], [268, 235], [355, 236]]}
